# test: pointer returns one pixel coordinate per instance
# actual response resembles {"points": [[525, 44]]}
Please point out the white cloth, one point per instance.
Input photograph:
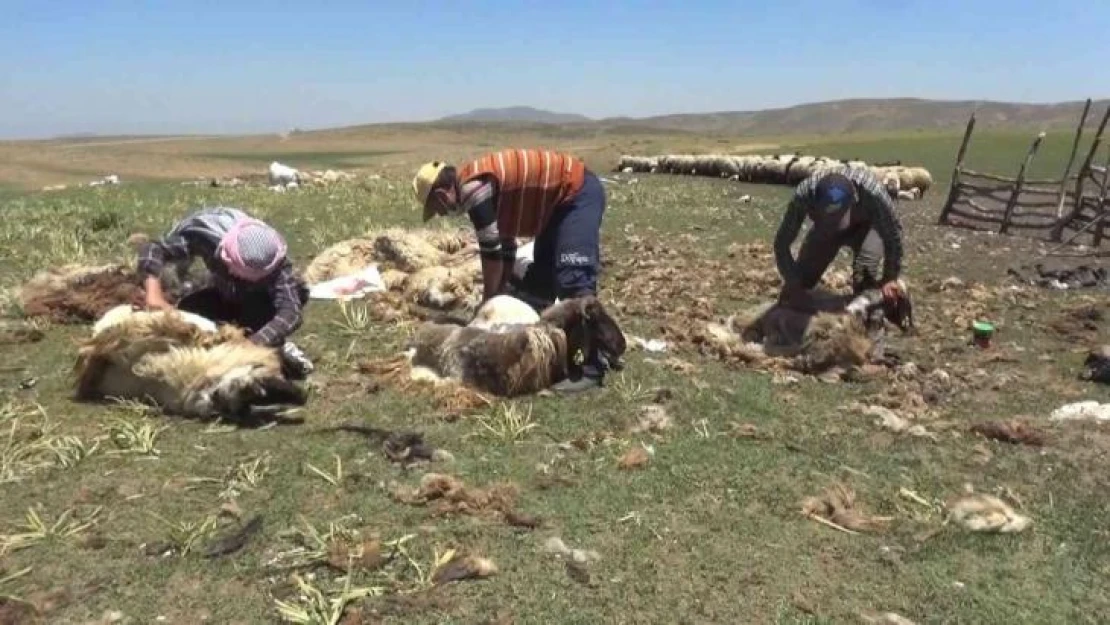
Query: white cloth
{"points": [[360, 284]]}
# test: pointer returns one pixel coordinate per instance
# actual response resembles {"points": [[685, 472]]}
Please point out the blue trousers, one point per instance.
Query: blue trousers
{"points": [[567, 257], [567, 254]]}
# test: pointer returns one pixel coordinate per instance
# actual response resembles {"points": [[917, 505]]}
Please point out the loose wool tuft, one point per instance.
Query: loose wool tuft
{"points": [[82, 293], [180, 363]]}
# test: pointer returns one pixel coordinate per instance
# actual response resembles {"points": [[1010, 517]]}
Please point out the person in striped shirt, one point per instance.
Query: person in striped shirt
{"points": [[253, 285], [848, 207], [526, 193]]}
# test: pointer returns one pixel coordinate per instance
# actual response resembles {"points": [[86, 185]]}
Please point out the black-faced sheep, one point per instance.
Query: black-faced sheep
{"points": [[183, 364], [508, 353]]}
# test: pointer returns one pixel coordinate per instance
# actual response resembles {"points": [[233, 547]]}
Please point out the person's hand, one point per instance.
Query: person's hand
{"points": [[157, 302], [891, 291]]}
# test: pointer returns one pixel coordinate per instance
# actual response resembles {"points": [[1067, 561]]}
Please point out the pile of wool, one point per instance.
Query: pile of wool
{"points": [[434, 268], [81, 293]]}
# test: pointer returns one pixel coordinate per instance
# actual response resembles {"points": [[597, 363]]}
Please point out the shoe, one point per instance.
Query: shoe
{"points": [[296, 363], [582, 384]]}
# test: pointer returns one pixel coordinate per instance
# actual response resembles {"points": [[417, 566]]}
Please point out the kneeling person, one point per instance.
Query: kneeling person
{"points": [[527, 193], [253, 285], [848, 207]]}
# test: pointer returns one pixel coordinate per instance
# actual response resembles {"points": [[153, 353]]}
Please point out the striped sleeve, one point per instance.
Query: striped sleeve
{"points": [[788, 230], [477, 199], [154, 255], [884, 219], [288, 311]]}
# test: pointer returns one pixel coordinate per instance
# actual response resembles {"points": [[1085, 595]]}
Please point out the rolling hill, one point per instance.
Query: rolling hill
{"points": [[876, 115], [820, 118], [525, 114]]}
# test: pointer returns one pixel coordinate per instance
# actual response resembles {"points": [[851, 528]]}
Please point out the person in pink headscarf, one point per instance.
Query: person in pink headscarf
{"points": [[253, 285]]}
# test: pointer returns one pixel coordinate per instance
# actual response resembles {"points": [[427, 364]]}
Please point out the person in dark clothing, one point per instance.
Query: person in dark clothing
{"points": [[528, 193], [252, 281], [848, 207]]}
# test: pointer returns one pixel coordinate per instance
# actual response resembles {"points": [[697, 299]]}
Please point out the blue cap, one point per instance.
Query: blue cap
{"points": [[834, 193]]}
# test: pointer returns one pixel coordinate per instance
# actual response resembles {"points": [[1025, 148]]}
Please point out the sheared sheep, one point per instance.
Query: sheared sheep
{"points": [[503, 312], [182, 364], [520, 360]]}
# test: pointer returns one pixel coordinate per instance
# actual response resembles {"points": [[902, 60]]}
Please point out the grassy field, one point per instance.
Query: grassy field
{"points": [[709, 531]]}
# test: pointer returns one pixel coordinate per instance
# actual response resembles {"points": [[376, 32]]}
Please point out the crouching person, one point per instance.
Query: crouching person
{"points": [[252, 286], [528, 193], [848, 207]]}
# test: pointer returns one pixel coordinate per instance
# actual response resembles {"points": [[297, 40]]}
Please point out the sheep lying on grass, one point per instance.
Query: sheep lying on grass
{"points": [[823, 338], [509, 351], [504, 312], [183, 364]]}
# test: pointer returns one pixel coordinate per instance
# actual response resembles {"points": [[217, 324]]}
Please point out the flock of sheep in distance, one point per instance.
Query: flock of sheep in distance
{"points": [[902, 182]]}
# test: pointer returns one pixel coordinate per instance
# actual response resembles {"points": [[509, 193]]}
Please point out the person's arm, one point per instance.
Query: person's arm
{"points": [[482, 211], [288, 314], [508, 260], [885, 221], [788, 231], [153, 257]]}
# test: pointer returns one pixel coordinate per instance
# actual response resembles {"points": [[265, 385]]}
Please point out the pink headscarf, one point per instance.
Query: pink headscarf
{"points": [[251, 250]]}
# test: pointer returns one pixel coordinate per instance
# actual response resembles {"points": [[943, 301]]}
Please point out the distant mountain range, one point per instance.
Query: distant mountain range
{"points": [[836, 117], [524, 114]]}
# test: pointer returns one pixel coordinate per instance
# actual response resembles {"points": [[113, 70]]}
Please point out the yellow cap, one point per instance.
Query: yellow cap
{"points": [[424, 181]]}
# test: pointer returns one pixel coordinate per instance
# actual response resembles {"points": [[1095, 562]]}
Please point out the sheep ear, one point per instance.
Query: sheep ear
{"points": [[589, 307]]}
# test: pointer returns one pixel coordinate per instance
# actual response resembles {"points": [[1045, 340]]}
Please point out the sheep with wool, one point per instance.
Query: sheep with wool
{"points": [[508, 350], [183, 364]]}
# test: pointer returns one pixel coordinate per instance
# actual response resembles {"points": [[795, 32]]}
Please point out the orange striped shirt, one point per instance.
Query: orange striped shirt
{"points": [[530, 185]]}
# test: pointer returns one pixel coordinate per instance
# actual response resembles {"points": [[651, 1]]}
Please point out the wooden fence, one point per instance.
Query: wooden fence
{"points": [[1062, 209]]}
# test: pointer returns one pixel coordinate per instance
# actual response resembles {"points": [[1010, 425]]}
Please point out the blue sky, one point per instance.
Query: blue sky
{"points": [[106, 66]]}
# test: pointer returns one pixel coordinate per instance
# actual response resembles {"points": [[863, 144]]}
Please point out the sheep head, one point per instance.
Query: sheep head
{"points": [[589, 329]]}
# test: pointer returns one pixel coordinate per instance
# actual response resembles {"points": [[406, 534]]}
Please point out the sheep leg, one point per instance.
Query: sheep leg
{"points": [[239, 392], [280, 391]]}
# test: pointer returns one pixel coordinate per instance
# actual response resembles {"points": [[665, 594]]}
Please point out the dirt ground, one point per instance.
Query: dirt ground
{"points": [[763, 496]]}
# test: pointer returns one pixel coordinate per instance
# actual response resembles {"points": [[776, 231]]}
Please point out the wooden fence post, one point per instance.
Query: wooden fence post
{"points": [[1058, 231], [1100, 207], [953, 189], [1071, 159], [1019, 183]]}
